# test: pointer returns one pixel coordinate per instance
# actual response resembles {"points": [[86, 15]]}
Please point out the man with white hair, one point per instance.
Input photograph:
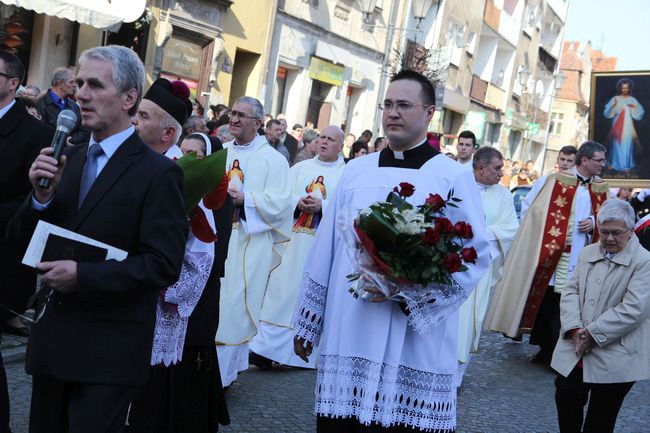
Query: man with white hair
{"points": [[313, 183], [260, 188], [501, 228], [91, 346]]}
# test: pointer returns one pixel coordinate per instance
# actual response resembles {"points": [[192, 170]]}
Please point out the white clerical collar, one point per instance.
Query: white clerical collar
{"points": [[399, 154], [247, 146], [328, 163]]}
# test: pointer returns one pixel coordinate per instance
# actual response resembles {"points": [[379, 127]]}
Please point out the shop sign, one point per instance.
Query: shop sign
{"points": [[182, 58], [325, 71], [533, 128]]}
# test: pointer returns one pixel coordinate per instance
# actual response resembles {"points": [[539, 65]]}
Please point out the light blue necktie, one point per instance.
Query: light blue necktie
{"points": [[89, 172]]}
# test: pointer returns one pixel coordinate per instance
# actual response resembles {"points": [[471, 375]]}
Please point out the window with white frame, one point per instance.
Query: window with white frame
{"points": [[556, 123]]}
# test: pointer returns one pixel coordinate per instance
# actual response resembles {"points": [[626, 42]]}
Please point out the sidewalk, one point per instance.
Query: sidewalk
{"points": [[13, 348]]}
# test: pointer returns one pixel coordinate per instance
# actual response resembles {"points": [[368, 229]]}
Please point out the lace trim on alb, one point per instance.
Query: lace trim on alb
{"points": [[383, 394], [307, 319], [175, 305], [433, 307]]}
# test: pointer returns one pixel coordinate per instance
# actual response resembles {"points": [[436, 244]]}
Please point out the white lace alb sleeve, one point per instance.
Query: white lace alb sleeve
{"points": [[433, 308], [186, 292], [308, 316]]}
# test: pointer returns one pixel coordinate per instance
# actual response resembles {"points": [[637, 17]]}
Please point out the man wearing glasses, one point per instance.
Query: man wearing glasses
{"points": [[59, 98], [260, 189], [376, 372], [21, 138], [558, 220]]}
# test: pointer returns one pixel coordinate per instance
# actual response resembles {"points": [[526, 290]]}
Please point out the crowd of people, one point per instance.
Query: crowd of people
{"points": [[259, 266]]}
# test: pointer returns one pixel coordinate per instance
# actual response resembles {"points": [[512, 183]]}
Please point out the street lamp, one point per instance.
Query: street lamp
{"points": [[557, 85], [524, 76], [420, 10], [368, 9]]}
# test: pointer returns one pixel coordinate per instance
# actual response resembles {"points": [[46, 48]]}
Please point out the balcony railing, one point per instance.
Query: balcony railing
{"points": [[496, 97]]}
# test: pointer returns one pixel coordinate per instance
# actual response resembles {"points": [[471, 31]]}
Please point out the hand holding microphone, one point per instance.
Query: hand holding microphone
{"points": [[45, 172]]}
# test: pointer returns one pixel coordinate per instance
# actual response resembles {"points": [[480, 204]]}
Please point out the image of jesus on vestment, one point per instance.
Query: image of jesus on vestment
{"points": [[235, 181], [308, 222]]}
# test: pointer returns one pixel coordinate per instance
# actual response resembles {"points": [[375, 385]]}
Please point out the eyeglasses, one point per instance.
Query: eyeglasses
{"points": [[615, 233], [241, 115], [400, 107], [599, 160]]}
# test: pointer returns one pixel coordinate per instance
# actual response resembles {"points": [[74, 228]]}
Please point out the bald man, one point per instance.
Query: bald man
{"points": [[313, 182]]}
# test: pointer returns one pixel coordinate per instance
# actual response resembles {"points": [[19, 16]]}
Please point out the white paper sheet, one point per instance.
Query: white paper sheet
{"points": [[39, 238]]}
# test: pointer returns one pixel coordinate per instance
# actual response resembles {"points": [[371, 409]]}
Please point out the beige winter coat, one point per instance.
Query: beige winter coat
{"points": [[612, 299]]}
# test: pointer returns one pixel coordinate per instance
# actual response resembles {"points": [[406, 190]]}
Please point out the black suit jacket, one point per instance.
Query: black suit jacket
{"points": [[292, 146], [21, 139], [102, 333], [49, 111]]}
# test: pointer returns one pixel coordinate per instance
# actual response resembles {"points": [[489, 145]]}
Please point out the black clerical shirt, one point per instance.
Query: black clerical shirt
{"points": [[413, 158]]}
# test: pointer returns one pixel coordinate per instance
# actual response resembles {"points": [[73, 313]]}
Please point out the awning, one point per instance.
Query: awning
{"points": [[96, 13]]}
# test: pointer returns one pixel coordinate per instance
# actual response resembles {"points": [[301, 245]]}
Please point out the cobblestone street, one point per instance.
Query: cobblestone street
{"points": [[502, 393]]}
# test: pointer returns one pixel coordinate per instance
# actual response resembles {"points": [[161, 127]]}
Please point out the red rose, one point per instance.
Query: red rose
{"points": [[469, 255], [452, 263], [430, 236], [463, 230], [406, 189], [443, 225], [435, 201]]}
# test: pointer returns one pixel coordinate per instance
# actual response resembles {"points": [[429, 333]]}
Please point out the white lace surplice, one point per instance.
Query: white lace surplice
{"points": [[176, 305], [374, 365]]}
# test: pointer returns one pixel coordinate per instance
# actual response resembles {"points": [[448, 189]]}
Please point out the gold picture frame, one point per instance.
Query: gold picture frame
{"points": [[619, 119]]}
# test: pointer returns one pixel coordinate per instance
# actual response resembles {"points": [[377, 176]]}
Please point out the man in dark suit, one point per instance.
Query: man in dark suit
{"points": [[21, 138], [92, 345], [58, 98], [288, 140]]}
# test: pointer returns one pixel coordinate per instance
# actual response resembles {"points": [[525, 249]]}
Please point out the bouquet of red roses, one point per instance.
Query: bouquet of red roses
{"points": [[408, 253]]}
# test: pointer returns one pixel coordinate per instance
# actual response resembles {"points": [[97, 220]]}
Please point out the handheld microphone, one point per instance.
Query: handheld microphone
{"points": [[64, 123]]}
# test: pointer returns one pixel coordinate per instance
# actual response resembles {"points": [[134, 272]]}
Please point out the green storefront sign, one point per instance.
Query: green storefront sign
{"points": [[325, 71]]}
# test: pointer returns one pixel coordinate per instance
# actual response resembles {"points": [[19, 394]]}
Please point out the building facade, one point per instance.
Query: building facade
{"points": [[326, 64], [569, 123]]}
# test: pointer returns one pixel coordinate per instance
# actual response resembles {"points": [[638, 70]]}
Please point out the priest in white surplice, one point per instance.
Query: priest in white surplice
{"points": [[501, 224], [375, 372], [313, 183], [260, 189]]}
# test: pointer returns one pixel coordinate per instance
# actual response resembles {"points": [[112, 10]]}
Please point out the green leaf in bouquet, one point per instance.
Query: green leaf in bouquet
{"points": [[398, 201], [201, 175], [380, 230], [456, 199], [451, 205]]}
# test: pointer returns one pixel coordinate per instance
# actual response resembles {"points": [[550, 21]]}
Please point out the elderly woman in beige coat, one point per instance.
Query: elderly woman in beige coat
{"points": [[604, 345]]}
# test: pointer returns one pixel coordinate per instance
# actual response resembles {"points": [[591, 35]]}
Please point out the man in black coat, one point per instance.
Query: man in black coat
{"points": [[21, 138], [58, 98], [288, 140], [92, 344]]}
